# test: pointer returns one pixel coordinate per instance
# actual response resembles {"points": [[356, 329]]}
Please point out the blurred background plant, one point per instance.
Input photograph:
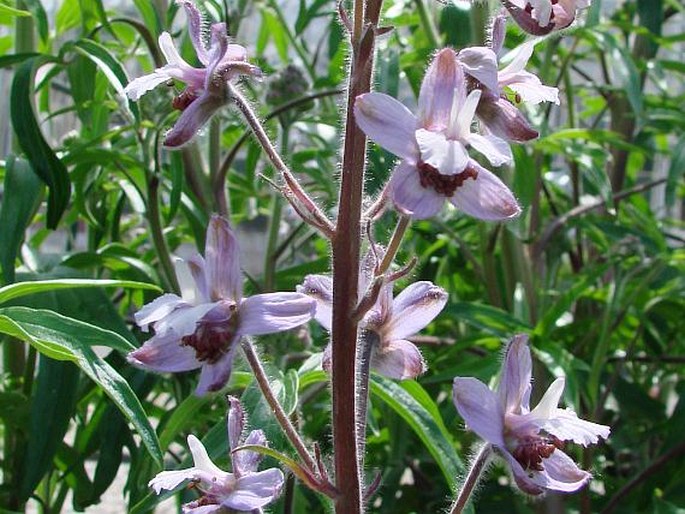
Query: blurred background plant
{"points": [[592, 270]]}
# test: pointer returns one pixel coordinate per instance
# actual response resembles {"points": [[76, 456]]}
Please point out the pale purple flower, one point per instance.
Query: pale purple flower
{"points": [[540, 17], [391, 320], [244, 489], [433, 146], [206, 88], [202, 327], [530, 441]]}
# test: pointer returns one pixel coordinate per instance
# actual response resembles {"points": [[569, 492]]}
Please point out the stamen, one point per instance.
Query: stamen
{"points": [[530, 451], [212, 339], [182, 101], [446, 185]]}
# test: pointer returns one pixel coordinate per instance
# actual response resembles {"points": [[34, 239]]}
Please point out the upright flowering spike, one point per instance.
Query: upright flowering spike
{"points": [[540, 17], [433, 146], [530, 441], [391, 320], [245, 489], [206, 88], [201, 328]]}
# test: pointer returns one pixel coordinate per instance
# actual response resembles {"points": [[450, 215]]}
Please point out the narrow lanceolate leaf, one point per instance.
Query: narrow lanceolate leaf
{"points": [[38, 286], [16, 210], [416, 408], [112, 69], [42, 158], [65, 338]]}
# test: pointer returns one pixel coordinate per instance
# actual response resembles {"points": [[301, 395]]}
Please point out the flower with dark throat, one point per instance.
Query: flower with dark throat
{"points": [[206, 88], [530, 441], [433, 145], [540, 17], [202, 327], [244, 489]]}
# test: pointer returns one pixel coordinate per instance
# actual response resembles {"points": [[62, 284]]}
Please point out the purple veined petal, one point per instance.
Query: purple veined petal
{"points": [[499, 31], [398, 359], [414, 308], [387, 122], [567, 426], [246, 461], [164, 354], [565, 12], [449, 157], [495, 149], [274, 312], [190, 292], [503, 119], [223, 261], [255, 490], [138, 87], [157, 309], [190, 508], [202, 461], [532, 91], [409, 196], [561, 474], [195, 30], [525, 18], [196, 266], [485, 197], [521, 477], [320, 287], [169, 480], [515, 382], [193, 119], [481, 63], [480, 408], [235, 423], [542, 11], [215, 376], [442, 81], [183, 322], [462, 116]]}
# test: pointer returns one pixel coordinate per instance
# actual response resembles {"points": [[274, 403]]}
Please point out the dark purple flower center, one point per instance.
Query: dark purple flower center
{"points": [[183, 100], [212, 338], [445, 185], [530, 450]]}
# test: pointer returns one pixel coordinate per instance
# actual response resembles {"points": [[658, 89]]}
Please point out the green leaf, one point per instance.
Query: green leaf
{"points": [[36, 286], [68, 339], [6, 10], [675, 171], [16, 211], [182, 417], [12, 59], [415, 407], [486, 317], [42, 158]]}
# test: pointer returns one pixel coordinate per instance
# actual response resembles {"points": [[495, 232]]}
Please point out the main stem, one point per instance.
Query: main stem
{"points": [[346, 250], [472, 478]]}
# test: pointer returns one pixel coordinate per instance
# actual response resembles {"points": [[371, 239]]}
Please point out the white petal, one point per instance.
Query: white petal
{"points": [[518, 58], [486, 197], [481, 63], [320, 287], [138, 87], [549, 401], [495, 149], [567, 426], [157, 309], [414, 308], [166, 45], [532, 91], [463, 116], [201, 458], [183, 322], [255, 490], [168, 480], [480, 408], [274, 312], [409, 196], [387, 122], [449, 157]]}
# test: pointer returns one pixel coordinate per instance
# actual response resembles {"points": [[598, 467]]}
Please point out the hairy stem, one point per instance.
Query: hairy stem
{"points": [[402, 224], [474, 474]]}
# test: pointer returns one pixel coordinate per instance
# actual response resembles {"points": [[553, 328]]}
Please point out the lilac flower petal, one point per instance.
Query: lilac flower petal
{"points": [[495, 149], [449, 157], [561, 474], [486, 197], [196, 266], [191, 508], [138, 87], [414, 308], [567, 426], [183, 322], [246, 461], [387, 122], [525, 19], [481, 63], [515, 382], [327, 358], [190, 292], [518, 58], [409, 196], [235, 423], [166, 45], [164, 354], [499, 31], [168, 480], [223, 261], [274, 312], [438, 88], [195, 30], [532, 91], [480, 408], [157, 309], [521, 476], [503, 119], [320, 287], [193, 119], [214, 376], [398, 359], [202, 461], [255, 490]]}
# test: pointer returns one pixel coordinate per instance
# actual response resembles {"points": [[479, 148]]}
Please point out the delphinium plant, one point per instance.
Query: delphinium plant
{"points": [[329, 337]]}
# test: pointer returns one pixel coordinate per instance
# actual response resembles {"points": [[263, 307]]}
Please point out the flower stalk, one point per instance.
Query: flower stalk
{"points": [[475, 472]]}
